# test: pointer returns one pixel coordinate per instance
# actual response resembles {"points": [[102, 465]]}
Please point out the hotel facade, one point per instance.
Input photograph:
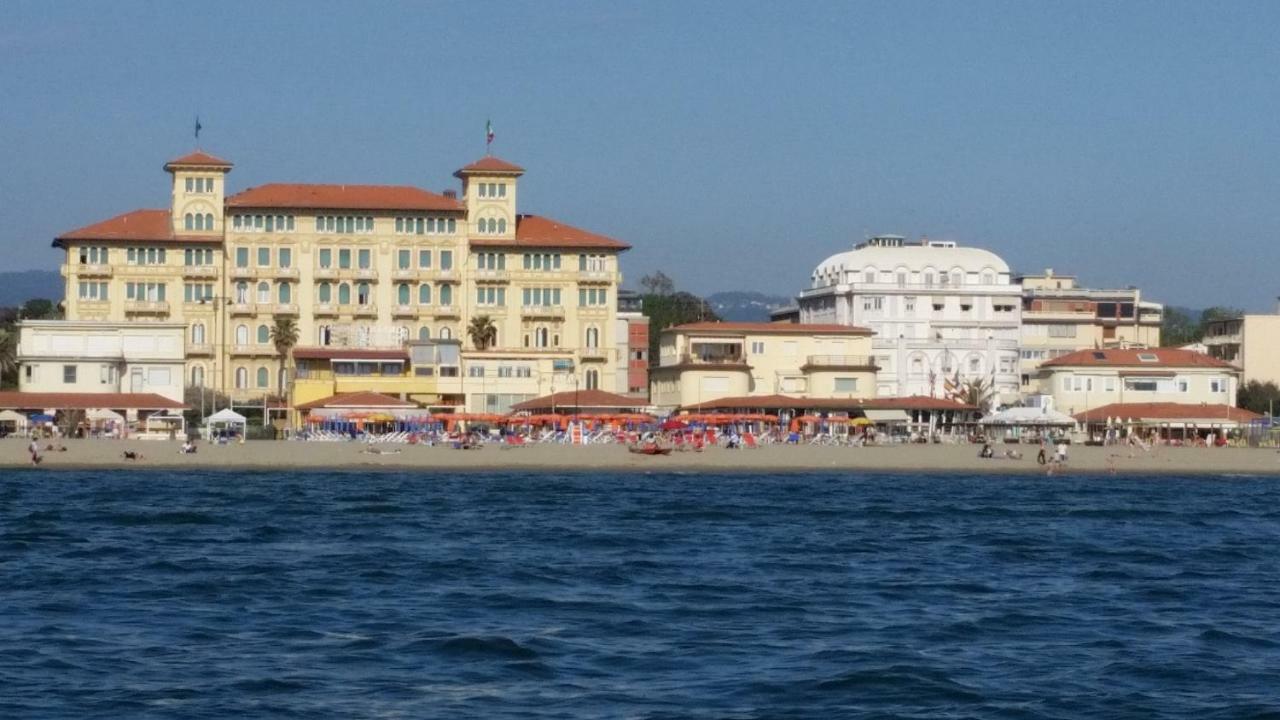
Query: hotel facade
{"points": [[939, 311], [361, 267]]}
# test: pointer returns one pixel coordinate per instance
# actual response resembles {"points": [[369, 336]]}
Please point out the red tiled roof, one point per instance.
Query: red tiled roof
{"points": [[490, 164], [768, 327], [1165, 357], [357, 400], [581, 399], [87, 401], [344, 353], [785, 402], [542, 232], [197, 159], [1169, 411], [138, 225], [342, 197]]}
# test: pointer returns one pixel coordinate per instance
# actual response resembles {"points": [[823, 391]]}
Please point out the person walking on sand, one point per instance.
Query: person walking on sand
{"points": [[34, 449]]}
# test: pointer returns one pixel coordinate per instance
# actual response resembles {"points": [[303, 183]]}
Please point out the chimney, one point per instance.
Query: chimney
{"points": [[451, 194]]}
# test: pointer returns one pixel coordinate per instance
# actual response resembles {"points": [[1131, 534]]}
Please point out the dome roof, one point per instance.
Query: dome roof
{"points": [[913, 258]]}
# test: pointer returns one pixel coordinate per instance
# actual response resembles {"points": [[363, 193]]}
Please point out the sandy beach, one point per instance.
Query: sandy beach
{"points": [[267, 455]]}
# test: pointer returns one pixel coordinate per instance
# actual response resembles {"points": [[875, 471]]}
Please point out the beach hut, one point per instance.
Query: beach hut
{"points": [[12, 422], [225, 420]]}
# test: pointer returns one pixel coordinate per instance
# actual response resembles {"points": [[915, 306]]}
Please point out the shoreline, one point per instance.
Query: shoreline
{"points": [[939, 460]]}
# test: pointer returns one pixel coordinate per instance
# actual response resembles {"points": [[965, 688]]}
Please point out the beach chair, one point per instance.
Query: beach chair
{"points": [[749, 441]]}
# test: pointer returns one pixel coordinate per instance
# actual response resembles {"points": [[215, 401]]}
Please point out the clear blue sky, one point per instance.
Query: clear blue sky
{"points": [[734, 145]]}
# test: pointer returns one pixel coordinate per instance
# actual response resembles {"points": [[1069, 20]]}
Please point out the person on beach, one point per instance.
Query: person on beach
{"points": [[986, 451], [1041, 457], [34, 449], [131, 455]]}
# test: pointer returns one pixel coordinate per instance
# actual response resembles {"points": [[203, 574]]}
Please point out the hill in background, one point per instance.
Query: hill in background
{"points": [[741, 306], [18, 287]]}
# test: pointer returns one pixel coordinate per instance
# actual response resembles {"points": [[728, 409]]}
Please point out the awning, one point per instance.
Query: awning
{"points": [[887, 416]]}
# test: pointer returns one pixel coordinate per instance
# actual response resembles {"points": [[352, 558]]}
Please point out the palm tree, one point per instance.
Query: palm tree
{"points": [[8, 353], [977, 392], [483, 332], [284, 335]]}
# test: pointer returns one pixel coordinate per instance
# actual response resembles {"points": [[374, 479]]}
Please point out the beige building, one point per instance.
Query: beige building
{"points": [[1088, 379], [1059, 317], [360, 266], [60, 356], [701, 362], [1250, 342]]}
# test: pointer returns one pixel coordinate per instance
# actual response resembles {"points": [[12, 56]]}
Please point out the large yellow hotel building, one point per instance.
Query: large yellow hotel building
{"points": [[363, 269]]}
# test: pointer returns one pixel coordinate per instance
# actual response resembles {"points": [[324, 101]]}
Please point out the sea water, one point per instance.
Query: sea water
{"points": [[356, 595]]}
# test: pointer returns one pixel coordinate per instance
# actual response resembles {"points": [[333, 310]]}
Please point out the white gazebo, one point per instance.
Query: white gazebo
{"points": [[14, 422], [224, 419], [1014, 420]]}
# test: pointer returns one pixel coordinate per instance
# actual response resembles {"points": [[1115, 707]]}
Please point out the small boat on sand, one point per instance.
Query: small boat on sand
{"points": [[649, 449]]}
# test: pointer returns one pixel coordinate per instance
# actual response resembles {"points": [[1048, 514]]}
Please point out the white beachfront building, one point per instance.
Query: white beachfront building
{"points": [[936, 308]]}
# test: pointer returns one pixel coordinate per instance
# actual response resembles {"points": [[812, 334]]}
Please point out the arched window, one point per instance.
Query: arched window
{"points": [[242, 378], [541, 337], [344, 294], [188, 222], [263, 376], [264, 335], [197, 334], [323, 335], [424, 333], [197, 376], [208, 221], [242, 292], [284, 293], [446, 294], [502, 225], [326, 292], [402, 334], [593, 337], [242, 334], [446, 333], [424, 294], [264, 292], [199, 221], [493, 225], [402, 294], [593, 379], [362, 294]]}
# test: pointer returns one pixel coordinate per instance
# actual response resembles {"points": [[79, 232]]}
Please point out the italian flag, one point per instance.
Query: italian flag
{"points": [[488, 131]]}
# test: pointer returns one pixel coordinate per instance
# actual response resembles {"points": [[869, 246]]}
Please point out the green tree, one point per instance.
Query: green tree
{"points": [[977, 392], [40, 309], [284, 335], [657, 284], [483, 332], [1259, 397], [8, 357], [673, 309], [1178, 328]]}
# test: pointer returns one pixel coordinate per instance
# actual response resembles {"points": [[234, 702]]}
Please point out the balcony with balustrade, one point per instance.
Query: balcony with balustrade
{"points": [[93, 271], [839, 362], [146, 307], [542, 311], [200, 272]]}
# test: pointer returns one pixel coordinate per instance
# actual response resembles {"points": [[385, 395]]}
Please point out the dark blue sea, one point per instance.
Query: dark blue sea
{"points": [[348, 595]]}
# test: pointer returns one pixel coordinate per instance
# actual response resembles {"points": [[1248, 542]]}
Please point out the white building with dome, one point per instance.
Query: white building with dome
{"points": [[936, 308]]}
